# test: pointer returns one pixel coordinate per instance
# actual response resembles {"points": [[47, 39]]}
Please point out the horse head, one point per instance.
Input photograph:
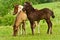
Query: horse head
{"points": [[27, 6], [17, 9]]}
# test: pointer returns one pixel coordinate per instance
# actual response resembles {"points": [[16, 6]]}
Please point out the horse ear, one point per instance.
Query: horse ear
{"points": [[15, 5]]}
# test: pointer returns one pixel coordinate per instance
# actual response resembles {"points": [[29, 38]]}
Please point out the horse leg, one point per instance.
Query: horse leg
{"points": [[15, 30], [32, 27], [20, 29], [23, 27], [49, 26], [38, 27], [16, 26]]}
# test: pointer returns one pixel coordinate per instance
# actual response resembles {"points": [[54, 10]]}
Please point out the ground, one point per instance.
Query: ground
{"points": [[6, 31]]}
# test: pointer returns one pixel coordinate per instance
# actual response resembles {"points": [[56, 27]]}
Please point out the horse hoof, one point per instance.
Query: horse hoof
{"points": [[47, 32], [50, 32], [14, 35], [32, 33]]}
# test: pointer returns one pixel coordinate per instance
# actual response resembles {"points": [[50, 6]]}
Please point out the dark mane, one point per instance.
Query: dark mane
{"points": [[29, 6]]}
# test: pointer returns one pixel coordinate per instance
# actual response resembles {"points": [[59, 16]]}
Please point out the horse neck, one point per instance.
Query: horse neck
{"points": [[31, 9], [21, 12]]}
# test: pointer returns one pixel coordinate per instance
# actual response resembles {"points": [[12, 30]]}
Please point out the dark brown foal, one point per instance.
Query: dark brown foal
{"points": [[37, 15]]}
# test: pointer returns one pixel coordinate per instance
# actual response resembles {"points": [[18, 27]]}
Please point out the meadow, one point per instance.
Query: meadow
{"points": [[6, 31]]}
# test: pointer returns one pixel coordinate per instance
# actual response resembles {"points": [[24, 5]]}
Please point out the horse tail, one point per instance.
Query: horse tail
{"points": [[52, 14]]}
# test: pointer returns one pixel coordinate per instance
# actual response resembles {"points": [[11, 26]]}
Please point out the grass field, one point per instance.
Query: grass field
{"points": [[6, 31]]}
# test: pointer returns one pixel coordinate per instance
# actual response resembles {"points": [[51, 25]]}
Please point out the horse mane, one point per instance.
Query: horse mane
{"points": [[30, 6]]}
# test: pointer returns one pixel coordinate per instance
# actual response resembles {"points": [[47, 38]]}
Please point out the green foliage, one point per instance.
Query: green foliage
{"points": [[6, 33], [7, 20], [7, 5]]}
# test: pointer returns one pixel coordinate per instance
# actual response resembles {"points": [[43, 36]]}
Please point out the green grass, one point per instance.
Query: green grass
{"points": [[6, 31]]}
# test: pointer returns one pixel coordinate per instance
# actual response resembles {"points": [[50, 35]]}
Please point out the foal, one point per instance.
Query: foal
{"points": [[20, 19], [37, 15]]}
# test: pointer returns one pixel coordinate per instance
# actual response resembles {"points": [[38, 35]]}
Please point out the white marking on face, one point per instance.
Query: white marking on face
{"points": [[20, 8]]}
